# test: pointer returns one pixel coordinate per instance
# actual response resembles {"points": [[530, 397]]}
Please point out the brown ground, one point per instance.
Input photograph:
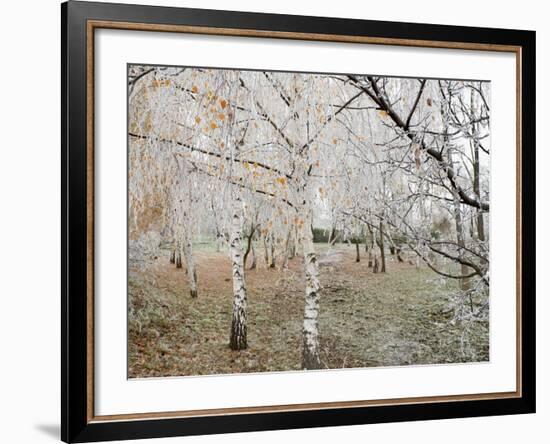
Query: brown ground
{"points": [[397, 318]]}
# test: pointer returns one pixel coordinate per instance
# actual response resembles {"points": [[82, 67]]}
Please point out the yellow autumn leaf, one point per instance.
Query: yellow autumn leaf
{"points": [[195, 89], [213, 125], [221, 116], [197, 120]]}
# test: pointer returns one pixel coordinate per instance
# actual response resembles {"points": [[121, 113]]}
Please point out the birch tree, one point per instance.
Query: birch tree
{"points": [[253, 156]]}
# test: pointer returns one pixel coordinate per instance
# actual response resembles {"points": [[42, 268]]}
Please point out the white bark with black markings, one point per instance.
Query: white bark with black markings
{"points": [[238, 340]]}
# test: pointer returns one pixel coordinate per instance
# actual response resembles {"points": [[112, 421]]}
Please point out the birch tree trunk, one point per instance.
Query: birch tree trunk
{"points": [[375, 266], [272, 247], [187, 248], [464, 282], [399, 257], [370, 246], [477, 189], [238, 339], [394, 249], [173, 256], [266, 254], [177, 255], [382, 251], [287, 249], [254, 260], [310, 350], [332, 237], [294, 246], [477, 192], [248, 244], [184, 227]]}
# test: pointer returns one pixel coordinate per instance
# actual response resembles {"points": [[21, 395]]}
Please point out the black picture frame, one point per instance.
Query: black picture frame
{"points": [[76, 423]]}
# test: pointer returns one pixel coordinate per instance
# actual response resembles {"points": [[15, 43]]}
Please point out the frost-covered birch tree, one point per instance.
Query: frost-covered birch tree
{"points": [[257, 160]]}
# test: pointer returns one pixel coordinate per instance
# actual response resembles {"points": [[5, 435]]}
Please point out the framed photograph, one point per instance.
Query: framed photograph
{"points": [[276, 221]]}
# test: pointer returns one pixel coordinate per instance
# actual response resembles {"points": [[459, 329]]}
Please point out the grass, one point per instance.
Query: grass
{"points": [[400, 317]]}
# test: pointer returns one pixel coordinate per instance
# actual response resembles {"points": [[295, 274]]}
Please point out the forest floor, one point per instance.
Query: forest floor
{"points": [[400, 317]]}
